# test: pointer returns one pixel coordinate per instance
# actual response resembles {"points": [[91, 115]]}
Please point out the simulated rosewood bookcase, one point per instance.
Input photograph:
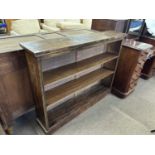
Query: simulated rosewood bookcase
{"points": [[71, 73]]}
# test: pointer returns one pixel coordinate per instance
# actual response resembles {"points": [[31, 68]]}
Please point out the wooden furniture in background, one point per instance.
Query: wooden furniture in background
{"points": [[15, 90], [107, 24], [143, 36], [70, 74], [16, 96], [131, 62], [149, 66]]}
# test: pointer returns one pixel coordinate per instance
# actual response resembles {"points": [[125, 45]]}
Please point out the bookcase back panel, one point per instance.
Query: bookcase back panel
{"points": [[110, 65], [114, 47], [107, 81], [78, 102], [58, 61], [90, 51]]}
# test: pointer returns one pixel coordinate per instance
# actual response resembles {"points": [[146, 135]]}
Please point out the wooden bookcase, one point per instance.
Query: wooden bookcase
{"points": [[69, 75]]}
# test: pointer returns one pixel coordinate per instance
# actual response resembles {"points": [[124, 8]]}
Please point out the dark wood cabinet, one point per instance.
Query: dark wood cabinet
{"points": [[107, 24], [15, 89], [141, 34], [149, 66], [133, 56], [70, 74]]}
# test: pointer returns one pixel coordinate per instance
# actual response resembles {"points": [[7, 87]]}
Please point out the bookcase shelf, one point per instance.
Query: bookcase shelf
{"points": [[74, 107], [70, 88], [74, 69], [68, 83]]}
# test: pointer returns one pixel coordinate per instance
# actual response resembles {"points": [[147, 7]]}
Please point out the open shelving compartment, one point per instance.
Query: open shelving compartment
{"points": [[71, 82]]}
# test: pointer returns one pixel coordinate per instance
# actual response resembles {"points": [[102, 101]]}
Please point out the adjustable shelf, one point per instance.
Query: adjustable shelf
{"points": [[70, 88], [53, 77], [74, 107], [70, 77]]}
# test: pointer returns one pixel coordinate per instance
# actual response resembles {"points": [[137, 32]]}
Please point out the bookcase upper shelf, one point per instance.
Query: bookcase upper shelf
{"points": [[55, 75]]}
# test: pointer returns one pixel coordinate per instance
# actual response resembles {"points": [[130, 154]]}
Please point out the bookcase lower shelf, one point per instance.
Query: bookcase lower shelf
{"points": [[75, 86], [73, 107]]}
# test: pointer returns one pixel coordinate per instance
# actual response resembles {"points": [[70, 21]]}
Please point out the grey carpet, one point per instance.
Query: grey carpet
{"points": [[111, 116]]}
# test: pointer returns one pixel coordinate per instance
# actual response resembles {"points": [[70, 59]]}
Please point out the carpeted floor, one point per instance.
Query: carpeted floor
{"points": [[134, 115]]}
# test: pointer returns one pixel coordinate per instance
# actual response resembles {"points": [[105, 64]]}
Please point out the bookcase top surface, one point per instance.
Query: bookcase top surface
{"points": [[71, 40], [50, 35]]}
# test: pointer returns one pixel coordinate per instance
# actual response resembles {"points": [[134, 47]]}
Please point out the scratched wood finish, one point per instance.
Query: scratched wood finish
{"points": [[80, 54], [50, 47]]}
